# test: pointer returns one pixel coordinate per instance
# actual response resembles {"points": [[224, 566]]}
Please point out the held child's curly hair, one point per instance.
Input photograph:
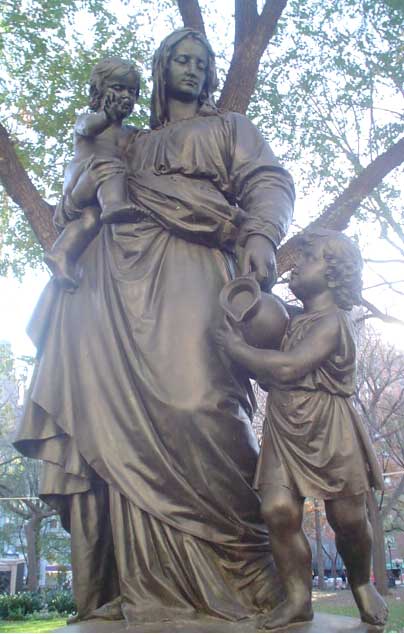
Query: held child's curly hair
{"points": [[344, 266], [100, 74]]}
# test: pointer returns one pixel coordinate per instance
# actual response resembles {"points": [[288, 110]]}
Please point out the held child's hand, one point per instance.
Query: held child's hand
{"points": [[112, 107]]}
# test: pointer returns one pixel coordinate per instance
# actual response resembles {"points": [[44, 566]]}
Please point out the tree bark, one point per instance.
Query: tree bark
{"points": [[253, 33], [191, 14], [32, 528], [379, 553], [22, 191], [339, 213], [319, 546]]}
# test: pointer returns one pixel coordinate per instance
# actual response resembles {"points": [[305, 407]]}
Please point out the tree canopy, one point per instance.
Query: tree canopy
{"points": [[323, 81]]}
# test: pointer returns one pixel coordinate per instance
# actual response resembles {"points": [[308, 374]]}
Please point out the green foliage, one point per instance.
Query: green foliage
{"points": [[21, 605], [328, 96], [16, 606], [332, 80], [47, 50], [60, 601]]}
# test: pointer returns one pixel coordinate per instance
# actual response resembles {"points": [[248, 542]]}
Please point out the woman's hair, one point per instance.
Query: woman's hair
{"points": [[344, 265], [100, 74], [159, 113]]}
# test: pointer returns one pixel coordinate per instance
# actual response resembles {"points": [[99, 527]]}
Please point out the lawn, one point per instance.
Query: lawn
{"points": [[338, 602], [34, 625], [341, 602]]}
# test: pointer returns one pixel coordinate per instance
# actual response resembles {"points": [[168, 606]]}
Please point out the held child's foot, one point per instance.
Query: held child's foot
{"points": [[62, 269], [286, 613], [372, 607]]}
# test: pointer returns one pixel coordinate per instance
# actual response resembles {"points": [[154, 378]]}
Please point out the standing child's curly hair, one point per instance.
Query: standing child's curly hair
{"points": [[344, 265], [100, 74]]}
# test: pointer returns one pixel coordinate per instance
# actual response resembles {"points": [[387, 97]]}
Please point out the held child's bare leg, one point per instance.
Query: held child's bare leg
{"points": [[114, 200], [71, 243], [282, 511], [353, 538]]}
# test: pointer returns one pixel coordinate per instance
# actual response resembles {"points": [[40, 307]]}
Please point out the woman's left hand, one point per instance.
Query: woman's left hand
{"points": [[260, 259]]}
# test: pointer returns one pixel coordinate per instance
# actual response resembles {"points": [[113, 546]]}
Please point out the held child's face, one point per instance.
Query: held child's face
{"points": [[308, 277], [121, 89]]}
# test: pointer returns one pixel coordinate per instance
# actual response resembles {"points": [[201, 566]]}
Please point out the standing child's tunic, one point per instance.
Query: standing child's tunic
{"points": [[314, 440]]}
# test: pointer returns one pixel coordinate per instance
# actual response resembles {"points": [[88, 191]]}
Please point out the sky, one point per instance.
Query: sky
{"points": [[18, 299]]}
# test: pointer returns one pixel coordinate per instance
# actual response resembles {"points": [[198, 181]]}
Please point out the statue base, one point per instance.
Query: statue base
{"points": [[322, 622]]}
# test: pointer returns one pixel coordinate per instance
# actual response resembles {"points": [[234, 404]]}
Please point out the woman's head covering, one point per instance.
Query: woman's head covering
{"points": [[159, 113]]}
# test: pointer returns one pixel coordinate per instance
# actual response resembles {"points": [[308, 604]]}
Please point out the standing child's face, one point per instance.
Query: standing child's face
{"points": [[120, 89], [308, 277]]}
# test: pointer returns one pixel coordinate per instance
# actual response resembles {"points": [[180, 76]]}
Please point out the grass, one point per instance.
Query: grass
{"points": [[34, 625], [341, 602]]}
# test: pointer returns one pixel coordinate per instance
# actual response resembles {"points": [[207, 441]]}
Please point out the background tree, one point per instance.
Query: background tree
{"points": [[19, 480], [380, 396], [322, 80]]}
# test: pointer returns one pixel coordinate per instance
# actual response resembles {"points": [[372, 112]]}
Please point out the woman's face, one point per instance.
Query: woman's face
{"points": [[186, 70]]}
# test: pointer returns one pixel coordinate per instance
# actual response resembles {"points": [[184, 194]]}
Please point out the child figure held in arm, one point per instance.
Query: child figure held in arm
{"points": [[314, 442], [95, 184]]}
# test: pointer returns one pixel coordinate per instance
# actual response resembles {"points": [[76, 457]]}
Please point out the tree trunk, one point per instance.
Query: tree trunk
{"points": [[32, 528], [379, 553], [319, 546]]}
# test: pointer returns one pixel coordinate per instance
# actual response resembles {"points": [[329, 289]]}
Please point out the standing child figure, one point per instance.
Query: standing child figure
{"points": [[314, 442], [95, 185]]}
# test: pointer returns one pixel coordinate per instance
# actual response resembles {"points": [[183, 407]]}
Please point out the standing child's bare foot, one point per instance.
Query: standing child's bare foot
{"points": [[372, 607], [62, 269], [287, 612]]}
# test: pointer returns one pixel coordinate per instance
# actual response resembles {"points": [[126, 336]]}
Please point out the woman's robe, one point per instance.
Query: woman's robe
{"points": [[144, 428]]}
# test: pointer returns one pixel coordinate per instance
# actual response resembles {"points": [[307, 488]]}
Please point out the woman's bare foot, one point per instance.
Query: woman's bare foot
{"points": [[285, 613], [62, 269], [372, 607]]}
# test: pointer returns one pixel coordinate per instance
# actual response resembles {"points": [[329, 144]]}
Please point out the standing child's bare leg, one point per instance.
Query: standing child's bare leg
{"points": [[353, 538], [282, 511], [71, 243]]}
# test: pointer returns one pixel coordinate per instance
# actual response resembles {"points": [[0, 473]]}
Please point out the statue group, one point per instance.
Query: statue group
{"points": [[140, 406]]}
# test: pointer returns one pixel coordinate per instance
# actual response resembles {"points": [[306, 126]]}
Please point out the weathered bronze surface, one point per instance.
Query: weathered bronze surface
{"points": [[321, 623], [143, 425], [314, 442], [95, 185]]}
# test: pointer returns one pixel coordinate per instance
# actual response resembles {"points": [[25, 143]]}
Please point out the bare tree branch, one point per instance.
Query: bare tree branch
{"points": [[398, 491], [375, 312], [22, 191], [339, 213], [191, 14]]}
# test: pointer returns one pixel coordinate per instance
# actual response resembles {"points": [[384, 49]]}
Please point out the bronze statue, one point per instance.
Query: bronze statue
{"points": [[95, 186], [144, 429], [314, 442]]}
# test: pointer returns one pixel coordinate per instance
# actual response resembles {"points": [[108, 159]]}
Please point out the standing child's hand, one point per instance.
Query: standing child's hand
{"points": [[229, 337]]}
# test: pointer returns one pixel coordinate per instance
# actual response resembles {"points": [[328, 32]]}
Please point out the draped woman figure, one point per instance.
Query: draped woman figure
{"points": [[145, 429]]}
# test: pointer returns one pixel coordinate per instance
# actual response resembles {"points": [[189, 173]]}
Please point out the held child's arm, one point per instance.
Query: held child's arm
{"points": [[92, 124], [271, 366]]}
